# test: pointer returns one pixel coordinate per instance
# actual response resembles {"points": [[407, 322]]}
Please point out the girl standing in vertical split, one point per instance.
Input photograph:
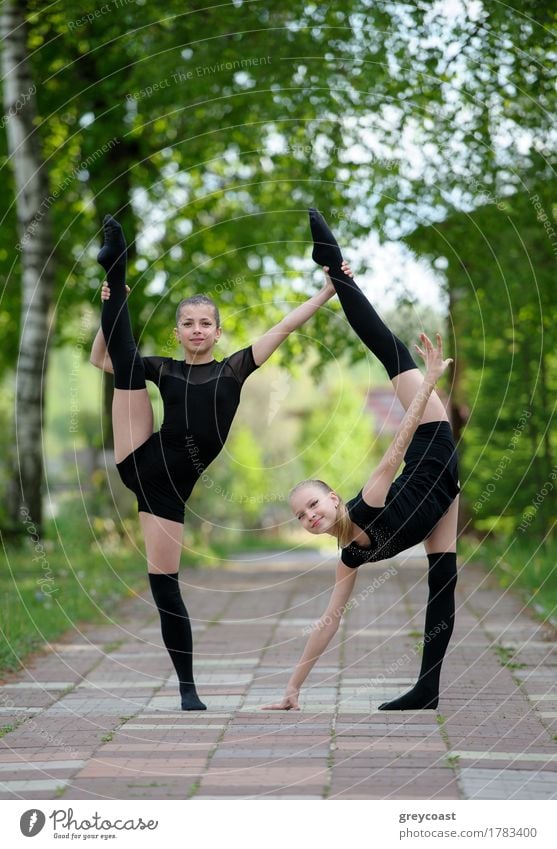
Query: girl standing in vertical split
{"points": [[200, 397]]}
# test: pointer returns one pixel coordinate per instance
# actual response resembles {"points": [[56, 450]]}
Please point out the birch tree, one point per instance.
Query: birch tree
{"points": [[33, 263]]}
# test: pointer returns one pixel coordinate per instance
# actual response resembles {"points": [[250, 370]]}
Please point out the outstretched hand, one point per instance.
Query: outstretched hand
{"points": [[289, 702], [329, 285], [433, 357], [105, 291]]}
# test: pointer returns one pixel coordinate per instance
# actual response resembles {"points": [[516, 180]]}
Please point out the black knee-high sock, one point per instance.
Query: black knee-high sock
{"points": [[373, 332], [176, 634], [439, 623], [129, 372]]}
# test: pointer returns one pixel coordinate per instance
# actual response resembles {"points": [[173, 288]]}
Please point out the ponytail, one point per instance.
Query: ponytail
{"points": [[344, 525]]}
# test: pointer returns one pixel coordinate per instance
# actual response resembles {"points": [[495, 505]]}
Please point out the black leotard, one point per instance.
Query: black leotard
{"points": [[200, 402], [416, 500]]}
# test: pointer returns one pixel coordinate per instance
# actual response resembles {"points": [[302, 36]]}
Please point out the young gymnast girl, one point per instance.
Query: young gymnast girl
{"points": [[388, 516], [200, 397]]}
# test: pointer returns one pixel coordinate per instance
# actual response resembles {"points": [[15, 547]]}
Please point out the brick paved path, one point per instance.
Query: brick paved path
{"points": [[97, 717]]}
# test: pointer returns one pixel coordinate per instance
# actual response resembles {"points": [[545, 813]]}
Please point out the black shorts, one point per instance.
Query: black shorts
{"points": [[432, 457], [160, 477]]}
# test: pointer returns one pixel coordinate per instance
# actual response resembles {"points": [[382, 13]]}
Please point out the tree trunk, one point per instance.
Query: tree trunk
{"points": [[35, 253]]}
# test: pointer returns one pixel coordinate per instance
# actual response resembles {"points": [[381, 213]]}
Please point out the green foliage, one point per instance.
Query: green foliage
{"points": [[67, 582], [209, 130], [196, 130], [501, 277], [336, 442]]}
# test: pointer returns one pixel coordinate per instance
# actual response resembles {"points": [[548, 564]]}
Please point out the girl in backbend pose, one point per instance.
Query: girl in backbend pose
{"points": [[388, 515], [200, 396]]}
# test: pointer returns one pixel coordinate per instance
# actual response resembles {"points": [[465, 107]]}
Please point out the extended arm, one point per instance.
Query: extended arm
{"points": [[100, 357], [269, 342], [322, 634], [376, 489]]}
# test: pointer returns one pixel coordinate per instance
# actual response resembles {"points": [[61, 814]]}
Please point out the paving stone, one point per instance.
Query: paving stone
{"points": [[87, 724], [480, 783]]}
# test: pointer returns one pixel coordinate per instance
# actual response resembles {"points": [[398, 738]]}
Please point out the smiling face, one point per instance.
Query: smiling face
{"points": [[197, 332], [315, 508]]}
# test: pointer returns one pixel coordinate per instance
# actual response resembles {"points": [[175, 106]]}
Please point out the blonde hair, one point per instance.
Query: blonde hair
{"points": [[344, 522]]}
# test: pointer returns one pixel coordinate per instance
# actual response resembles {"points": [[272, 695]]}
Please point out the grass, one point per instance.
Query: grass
{"points": [[193, 789], [523, 565], [77, 574], [506, 655], [84, 585]]}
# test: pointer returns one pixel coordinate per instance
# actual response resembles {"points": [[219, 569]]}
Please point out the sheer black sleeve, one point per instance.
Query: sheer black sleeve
{"points": [[153, 366], [242, 364]]}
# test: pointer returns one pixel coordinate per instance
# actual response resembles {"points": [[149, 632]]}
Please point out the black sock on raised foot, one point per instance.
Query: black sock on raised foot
{"points": [[112, 255], [325, 249]]}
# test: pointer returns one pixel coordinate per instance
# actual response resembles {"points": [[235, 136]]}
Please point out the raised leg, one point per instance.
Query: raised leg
{"points": [[163, 546], [132, 413], [132, 421], [440, 613], [362, 317], [372, 330], [407, 384]]}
